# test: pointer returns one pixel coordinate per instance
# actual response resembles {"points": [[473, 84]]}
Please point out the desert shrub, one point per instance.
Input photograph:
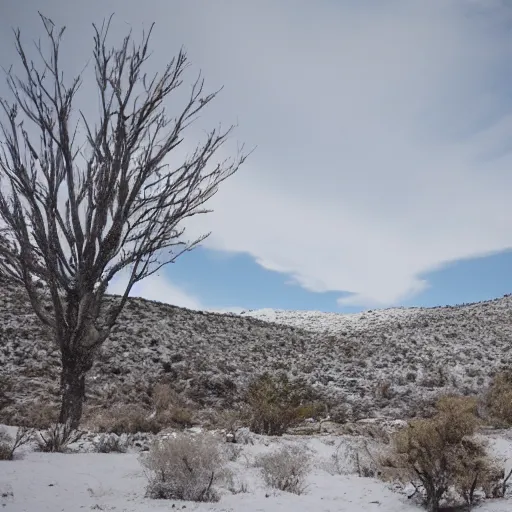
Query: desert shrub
{"points": [[108, 443], [130, 419], [123, 419], [236, 486], [36, 414], [232, 451], [229, 420], [9, 444], [57, 438], [205, 388], [354, 457], [179, 417], [5, 451], [185, 468], [499, 399], [384, 390], [286, 469], [277, 403], [440, 454], [163, 397], [6, 386]]}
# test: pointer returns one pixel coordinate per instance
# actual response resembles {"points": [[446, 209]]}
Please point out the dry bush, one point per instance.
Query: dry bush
{"points": [[130, 419], [163, 397], [123, 419], [6, 386], [37, 414], [229, 420], [237, 486], [384, 390], [108, 443], [277, 403], [57, 438], [354, 458], [286, 469], [185, 468], [440, 454], [9, 444], [499, 399], [5, 451]]}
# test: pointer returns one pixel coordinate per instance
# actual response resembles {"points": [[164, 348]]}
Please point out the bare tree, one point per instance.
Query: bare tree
{"points": [[82, 200]]}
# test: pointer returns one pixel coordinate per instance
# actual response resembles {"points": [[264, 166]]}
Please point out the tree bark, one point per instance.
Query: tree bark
{"points": [[73, 391]]}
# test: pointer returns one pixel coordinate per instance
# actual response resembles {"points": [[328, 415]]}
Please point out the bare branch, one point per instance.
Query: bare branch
{"points": [[81, 199]]}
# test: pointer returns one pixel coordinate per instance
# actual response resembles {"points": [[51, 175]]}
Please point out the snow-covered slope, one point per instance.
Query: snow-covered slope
{"points": [[377, 363], [334, 323]]}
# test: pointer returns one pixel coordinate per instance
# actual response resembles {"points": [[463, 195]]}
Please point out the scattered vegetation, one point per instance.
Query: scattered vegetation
{"points": [[185, 468], [153, 341], [286, 469]]}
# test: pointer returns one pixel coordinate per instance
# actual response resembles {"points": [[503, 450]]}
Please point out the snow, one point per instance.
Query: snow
{"points": [[414, 354], [74, 482], [335, 323]]}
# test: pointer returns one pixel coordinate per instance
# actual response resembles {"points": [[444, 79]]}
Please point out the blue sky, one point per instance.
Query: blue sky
{"points": [[220, 280], [383, 169]]}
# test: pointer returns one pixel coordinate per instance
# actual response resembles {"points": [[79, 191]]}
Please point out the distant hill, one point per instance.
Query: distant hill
{"points": [[384, 362]]}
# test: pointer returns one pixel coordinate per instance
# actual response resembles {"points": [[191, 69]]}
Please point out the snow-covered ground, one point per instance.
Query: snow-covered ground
{"points": [[78, 482]]}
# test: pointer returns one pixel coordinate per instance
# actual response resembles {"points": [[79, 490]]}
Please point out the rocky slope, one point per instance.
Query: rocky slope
{"points": [[376, 363]]}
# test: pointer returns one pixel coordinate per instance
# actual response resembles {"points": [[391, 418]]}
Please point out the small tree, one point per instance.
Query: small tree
{"points": [[76, 212]]}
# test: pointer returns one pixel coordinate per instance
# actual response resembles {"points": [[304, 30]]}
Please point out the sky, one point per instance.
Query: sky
{"points": [[382, 170]]}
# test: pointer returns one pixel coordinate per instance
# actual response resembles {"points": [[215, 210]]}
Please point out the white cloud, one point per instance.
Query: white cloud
{"points": [[384, 143], [383, 132], [156, 287]]}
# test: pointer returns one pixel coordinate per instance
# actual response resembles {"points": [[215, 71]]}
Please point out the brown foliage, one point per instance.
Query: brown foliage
{"points": [[440, 453], [277, 403], [130, 419], [499, 399]]}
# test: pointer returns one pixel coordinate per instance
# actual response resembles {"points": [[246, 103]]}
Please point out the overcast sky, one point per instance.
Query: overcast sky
{"points": [[383, 134]]}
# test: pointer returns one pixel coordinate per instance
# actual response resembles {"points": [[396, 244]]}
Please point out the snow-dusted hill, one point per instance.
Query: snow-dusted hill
{"points": [[376, 363], [334, 323]]}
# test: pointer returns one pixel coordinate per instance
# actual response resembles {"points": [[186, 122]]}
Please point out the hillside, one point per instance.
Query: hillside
{"points": [[377, 363]]}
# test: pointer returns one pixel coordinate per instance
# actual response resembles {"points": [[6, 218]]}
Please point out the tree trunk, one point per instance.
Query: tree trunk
{"points": [[72, 382]]}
